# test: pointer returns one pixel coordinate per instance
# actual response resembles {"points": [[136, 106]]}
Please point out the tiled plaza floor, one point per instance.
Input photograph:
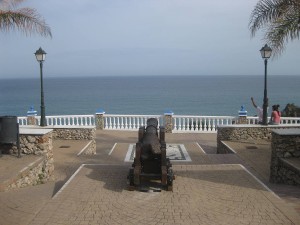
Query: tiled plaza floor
{"points": [[210, 189]]}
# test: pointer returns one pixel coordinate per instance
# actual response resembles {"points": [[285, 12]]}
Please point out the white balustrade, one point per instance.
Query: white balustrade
{"points": [[290, 120], [22, 120], [200, 124], [181, 123], [128, 122], [65, 120]]}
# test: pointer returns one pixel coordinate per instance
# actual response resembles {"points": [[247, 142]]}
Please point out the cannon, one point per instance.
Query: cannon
{"points": [[150, 161]]}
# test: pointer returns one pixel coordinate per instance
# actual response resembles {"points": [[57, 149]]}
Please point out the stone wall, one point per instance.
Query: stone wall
{"points": [[86, 133], [245, 132], [35, 142], [38, 172], [79, 133], [285, 158]]}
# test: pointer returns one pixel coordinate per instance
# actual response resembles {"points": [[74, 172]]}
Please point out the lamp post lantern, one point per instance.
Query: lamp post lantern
{"points": [[40, 55], [265, 52]]}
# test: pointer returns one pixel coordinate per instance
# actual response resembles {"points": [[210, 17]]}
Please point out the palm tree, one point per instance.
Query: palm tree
{"points": [[26, 20], [279, 19]]}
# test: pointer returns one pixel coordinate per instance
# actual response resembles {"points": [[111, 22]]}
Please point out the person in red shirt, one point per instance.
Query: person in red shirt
{"points": [[275, 116]]}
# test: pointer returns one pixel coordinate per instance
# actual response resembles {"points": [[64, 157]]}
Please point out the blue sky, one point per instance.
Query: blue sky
{"points": [[143, 37]]}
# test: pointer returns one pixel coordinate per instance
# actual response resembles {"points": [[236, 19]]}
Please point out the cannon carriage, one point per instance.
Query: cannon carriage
{"points": [[150, 161]]}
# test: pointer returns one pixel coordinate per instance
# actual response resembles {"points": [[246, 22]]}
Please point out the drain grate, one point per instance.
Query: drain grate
{"points": [[251, 147], [64, 146]]}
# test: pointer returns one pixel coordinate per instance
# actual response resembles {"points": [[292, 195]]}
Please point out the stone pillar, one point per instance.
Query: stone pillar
{"points": [[100, 124], [31, 113], [242, 116], [168, 121]]}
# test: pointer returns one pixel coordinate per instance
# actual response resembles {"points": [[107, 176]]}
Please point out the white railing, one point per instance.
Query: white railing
{"points": [[283, 120], [290, 120], [22, 120], [200, 124], [187, 124], [128, 122], [252, 119], [64, 120]]}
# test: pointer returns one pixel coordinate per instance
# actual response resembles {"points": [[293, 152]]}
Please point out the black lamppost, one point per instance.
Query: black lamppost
{"points": [[266, 52], [40, 55]]}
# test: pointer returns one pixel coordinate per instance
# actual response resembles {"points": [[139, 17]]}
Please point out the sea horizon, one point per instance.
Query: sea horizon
{"points": [[146, 95]]}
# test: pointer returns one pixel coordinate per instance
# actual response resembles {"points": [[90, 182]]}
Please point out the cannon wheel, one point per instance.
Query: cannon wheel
{"points": [[130, 178], [170, 178]]}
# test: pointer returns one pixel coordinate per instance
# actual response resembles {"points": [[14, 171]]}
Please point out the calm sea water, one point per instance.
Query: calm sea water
{"points": [[184, 95]]}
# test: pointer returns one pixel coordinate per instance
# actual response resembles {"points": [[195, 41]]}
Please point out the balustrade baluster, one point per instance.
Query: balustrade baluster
{"points": [[133, 124], [121, 123], [196, 124], [205, 124], [129, 123], [125, 123], [222, 121], [118, 123], [199, 124], [114, 122], [213, 124], [109, 123], [139, 121], [209, 124], [106, 123], [175, 124], [180, 124]]}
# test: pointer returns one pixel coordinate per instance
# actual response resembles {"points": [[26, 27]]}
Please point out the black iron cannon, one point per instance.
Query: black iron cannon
{"points": [[150, 162]]}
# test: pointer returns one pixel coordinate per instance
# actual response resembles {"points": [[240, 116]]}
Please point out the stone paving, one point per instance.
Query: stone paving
{"points": [[211, 189]]}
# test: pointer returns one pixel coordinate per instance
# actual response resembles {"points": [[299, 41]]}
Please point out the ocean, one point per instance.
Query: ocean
{"points": [[146, 95]]}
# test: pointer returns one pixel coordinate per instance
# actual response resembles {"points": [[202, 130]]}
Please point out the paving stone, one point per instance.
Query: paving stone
{"points": [[211, 189]]}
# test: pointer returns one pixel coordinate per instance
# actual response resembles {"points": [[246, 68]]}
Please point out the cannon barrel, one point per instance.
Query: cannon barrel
{"points": [[150, 156]]}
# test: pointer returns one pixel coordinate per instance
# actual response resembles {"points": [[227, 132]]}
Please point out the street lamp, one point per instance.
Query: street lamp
{"points": [[40, 55], [265, 52]]}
